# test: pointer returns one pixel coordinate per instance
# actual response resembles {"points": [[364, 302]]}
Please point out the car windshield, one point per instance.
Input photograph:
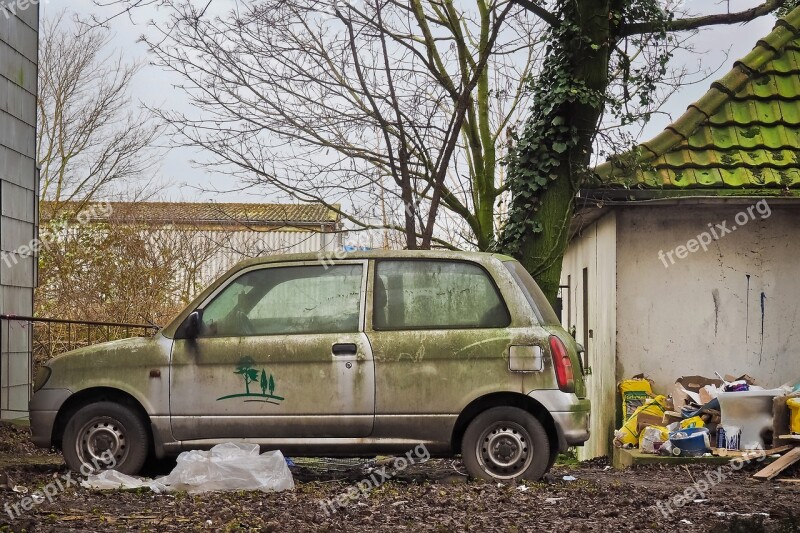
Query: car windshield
{"points": [[536, 298]]}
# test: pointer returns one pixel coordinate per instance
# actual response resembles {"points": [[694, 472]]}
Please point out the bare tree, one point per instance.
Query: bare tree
{"points": [[90, 139], [385, 106], [397, 111], [402, 112]]}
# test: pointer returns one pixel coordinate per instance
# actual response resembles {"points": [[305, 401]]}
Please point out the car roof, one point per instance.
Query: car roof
{"points": [[371, 254]]}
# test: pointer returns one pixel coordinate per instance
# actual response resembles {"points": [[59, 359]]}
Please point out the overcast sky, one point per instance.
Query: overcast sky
{"points": [[154, 87]]}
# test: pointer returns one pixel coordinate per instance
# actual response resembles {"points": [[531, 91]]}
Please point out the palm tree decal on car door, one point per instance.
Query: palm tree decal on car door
{"points": [[251, 375]]}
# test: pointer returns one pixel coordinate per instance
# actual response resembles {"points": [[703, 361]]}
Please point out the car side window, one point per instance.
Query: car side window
{"points": [[436, 295], [287, 300]]}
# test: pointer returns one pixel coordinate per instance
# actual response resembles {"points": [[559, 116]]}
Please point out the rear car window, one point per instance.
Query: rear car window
{"points": [[436, 295], [536, 298]]}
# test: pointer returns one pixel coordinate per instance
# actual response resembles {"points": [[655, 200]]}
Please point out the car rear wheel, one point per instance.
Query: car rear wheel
{"points": [[105, 435], [505, 444]]}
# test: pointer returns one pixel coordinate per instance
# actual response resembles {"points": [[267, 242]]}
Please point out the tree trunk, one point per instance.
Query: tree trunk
{"points": [[541, 253]]}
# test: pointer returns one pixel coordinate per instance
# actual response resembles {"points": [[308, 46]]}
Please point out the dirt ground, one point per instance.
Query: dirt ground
{"points": [[428, 497]]}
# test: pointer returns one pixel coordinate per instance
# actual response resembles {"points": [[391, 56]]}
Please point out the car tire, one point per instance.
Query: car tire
{"points": [[102, 427], [506, 444], [553, 458]]}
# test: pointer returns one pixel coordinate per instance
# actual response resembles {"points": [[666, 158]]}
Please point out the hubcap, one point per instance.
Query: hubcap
{"points": [[100, 439], [504, 450]]}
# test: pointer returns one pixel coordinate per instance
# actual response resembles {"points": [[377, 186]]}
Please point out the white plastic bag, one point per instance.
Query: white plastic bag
{"points": [[113, 480], [228, 466], [651, 435]]}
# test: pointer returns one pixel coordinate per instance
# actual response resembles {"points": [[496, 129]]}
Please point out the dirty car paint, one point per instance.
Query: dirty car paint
{"points": [[293, 387]]}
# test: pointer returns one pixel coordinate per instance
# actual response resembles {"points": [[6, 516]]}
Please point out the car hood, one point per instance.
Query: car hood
{"points": [[109, 360], [116, 348]]}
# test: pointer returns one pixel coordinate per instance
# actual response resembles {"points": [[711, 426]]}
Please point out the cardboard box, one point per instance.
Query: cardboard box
{"points": [[687, 390], [708, 393], [744, 377], [646, 420]]}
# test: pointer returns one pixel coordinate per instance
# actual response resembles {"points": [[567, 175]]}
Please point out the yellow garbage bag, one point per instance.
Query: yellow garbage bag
{"points": [[628, 434], [635, 392], [694, 422], [794, 417]]}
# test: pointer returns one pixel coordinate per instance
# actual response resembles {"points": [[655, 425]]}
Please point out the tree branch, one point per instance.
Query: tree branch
{"points": [[694, 23], [539, 11]]}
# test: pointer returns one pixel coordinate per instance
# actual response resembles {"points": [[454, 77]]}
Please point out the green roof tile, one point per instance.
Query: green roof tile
{"points": [[731, 82], [704, 158], [786, 64], [790, 111], [702, 138], [764, 87], [743, 134], [723, 138], [787, 87], [768, 111], [735, 176]]}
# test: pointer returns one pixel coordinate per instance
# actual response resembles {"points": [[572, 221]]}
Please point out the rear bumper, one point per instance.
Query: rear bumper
{"points": [[573, 426], [43, 408], [570, 416]]}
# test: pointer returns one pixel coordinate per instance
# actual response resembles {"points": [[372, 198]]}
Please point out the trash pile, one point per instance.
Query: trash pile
{"points": [[728, 416]]}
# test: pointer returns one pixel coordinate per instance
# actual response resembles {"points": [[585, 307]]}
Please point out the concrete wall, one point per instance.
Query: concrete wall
{"points": [[18, 198], [594, 250], [734, 308]]}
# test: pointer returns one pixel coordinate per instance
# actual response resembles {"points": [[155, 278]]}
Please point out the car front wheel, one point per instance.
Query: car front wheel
{"points": [[506, 444], [105, 435]]}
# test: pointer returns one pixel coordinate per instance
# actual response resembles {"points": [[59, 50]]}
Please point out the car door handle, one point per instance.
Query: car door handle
{"points": [[345, 349]]}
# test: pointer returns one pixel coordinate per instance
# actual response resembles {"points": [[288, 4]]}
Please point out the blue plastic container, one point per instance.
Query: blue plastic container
{"points": [[690, 441]]}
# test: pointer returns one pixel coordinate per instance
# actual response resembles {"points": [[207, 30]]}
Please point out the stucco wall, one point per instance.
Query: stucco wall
{"points": [[594, 250], [732, 308], [18, 193]]}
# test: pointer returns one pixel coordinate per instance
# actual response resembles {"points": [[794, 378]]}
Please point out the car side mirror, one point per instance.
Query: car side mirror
{"points": [[190, 329]]}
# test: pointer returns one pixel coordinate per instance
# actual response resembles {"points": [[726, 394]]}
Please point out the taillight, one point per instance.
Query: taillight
{"points": [[562, 364]]}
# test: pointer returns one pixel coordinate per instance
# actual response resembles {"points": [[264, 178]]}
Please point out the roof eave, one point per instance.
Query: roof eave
{"points": [[744, 70]]}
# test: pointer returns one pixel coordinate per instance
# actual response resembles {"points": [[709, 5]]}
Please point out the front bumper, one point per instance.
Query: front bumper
{"points": [[43, 408]]}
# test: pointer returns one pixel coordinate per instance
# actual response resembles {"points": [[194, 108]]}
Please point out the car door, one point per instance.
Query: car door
{"points": [[281, 353], [441, 334]]}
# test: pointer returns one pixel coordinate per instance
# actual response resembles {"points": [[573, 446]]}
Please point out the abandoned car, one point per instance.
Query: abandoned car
{"points": [[370, 353]]}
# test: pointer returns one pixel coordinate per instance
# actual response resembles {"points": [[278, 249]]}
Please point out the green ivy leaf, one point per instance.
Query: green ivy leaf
{"points": [[560, 147]]}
